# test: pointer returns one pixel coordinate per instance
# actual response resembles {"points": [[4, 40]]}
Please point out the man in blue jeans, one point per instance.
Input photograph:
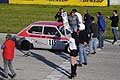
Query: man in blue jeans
{"points": [[114, 24], [83, 41], [73, 21], [93, 36], [102, 25]]}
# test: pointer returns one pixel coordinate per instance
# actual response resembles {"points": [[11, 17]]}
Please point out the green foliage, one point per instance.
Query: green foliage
{"points": [[13, 18]]}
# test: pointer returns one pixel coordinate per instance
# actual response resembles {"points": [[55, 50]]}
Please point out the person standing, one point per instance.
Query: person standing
{"points": [[93, 36], [8, 56], [83, 41], [78, 15], [102, 26], [114, 25], [87, 20], [58, 16], [73, 55], [73, 21]]}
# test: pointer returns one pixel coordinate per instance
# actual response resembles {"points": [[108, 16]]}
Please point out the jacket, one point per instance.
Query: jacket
{"points": [[59, 17], [115, 21], [73, 20], [79, 17], [83, 37], [101, 23], [8, 50], [94, 30]]}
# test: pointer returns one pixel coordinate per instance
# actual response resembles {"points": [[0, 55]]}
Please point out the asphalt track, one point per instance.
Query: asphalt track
{"points": [[55, 65]]}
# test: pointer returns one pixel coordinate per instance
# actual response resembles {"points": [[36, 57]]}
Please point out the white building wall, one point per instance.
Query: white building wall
{"points": [[114, 2]]}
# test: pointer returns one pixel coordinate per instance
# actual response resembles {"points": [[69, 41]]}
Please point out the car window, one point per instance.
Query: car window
{"points": [[35, 30], [51, 31]]}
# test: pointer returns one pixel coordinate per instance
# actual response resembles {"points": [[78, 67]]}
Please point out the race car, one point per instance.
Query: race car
{"points": [[44, 35]]}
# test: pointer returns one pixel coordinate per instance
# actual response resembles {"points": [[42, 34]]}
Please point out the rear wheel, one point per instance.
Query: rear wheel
{"points": [[24, 45]]}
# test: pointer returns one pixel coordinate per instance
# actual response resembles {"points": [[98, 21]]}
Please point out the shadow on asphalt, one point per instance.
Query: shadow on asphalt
{"points": [[1, 73], [51, 64], [61, 54], [108, 41]]}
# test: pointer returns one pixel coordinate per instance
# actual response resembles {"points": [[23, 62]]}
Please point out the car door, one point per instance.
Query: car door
{"points": [[53, 38], [36, 38]]}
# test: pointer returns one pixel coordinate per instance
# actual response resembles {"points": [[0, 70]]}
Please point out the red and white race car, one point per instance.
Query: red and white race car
{"points": [[43, 34]]}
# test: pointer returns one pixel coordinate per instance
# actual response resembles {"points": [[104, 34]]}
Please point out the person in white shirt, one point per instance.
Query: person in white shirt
{"points": [[78, 15], [73, 54]]}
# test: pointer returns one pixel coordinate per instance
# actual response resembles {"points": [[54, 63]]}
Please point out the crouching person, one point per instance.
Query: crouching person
{"points": [[8, 56], [83, 42], [73, 54]]}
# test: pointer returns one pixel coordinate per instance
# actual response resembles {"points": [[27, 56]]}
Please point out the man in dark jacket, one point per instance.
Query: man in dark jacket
{"points": [[87, 21], [58, 16], [83, 41], [93, 36], [114, 25], [8, 55]]}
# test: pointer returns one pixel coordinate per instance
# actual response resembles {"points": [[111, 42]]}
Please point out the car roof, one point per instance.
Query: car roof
{"points": [[53, 23]]}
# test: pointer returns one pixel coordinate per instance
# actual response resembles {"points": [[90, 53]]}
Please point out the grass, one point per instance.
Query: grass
{"points": [[13, 18]]}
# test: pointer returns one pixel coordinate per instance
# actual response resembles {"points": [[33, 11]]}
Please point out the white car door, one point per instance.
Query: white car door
{"points": [[36, 38], [53, 38]]}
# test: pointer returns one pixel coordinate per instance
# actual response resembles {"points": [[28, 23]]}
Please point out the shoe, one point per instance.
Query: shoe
{"points": [[99, 49], [13, 76], [93, 53], [85, 63], [80, 65], [71, 77]]}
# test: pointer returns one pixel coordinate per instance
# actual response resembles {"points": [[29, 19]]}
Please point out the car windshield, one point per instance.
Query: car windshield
{"points": [[64, 31]]}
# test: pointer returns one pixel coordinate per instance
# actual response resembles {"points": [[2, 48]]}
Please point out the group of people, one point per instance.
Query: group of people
{"points": [[86, 32]]}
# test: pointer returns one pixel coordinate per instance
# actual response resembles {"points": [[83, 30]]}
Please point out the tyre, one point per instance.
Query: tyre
{"points": [[24, 45]]}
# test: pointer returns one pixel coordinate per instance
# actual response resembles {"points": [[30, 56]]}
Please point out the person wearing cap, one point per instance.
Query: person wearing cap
{"points": [[8, 56], [83, 41], [93, 37]]}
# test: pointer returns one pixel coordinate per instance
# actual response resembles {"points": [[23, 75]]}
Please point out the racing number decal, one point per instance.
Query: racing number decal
{"points": [[51, 42]]}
